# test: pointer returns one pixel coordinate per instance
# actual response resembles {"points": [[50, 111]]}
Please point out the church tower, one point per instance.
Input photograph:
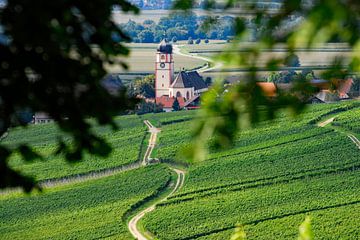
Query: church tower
{"points": [[164, 69]]}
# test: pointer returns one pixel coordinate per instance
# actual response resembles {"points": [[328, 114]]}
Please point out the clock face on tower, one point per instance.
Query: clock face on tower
{"points": [[162, 65]]}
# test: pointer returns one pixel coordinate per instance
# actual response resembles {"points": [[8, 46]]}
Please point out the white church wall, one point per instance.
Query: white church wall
{"points": [[183, 91]]}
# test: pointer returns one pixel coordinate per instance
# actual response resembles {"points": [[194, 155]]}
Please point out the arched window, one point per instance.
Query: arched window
{"points": [[162, 57], [178, 94], [187, 95]]}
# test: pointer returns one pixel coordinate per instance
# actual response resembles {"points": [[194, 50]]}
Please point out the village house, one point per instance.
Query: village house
{"points": [[333, 91]]}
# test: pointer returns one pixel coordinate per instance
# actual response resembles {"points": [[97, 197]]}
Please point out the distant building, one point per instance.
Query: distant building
{"points": [[324, 95], [185, 86], [41, 117]]}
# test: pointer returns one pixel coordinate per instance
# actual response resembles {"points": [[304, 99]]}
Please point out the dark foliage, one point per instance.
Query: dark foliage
{"points": [[53, 61]]}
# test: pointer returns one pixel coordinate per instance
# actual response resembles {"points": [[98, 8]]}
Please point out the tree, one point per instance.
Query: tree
{"points": [[145, 86], [292, 60], [208, 81], [148, 107], [55, 65], [190, 41], [176, 105], [146, 36]]}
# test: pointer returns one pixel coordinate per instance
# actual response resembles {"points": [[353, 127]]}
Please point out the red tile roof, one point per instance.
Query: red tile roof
{"points": [[167, 102], [268, 88]]}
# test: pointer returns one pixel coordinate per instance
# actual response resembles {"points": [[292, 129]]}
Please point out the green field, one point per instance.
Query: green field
{"points": [[142, 59], [321, 55], [281, 170], [89, 210], [349, 121], [275, 175], [126, 144]]}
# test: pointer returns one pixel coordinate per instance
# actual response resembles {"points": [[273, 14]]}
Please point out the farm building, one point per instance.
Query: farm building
{"points": [[186, 85]]}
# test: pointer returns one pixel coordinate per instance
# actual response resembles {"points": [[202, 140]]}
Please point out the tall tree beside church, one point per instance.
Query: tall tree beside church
{"points": [[176, 105]]}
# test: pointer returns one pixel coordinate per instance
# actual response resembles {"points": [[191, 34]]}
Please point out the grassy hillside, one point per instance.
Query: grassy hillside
{"points": [[89, 210], [274, 176], [126, 144]]}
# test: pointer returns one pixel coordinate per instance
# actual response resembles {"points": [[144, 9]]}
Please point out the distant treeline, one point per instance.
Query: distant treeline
{"points": [[183, 27], [179, 27]]}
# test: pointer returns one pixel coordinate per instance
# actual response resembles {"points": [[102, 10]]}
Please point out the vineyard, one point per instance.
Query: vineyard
{"points": [[349, 121], [88, 210], [274, 175], [281, 170], [126, 143]]}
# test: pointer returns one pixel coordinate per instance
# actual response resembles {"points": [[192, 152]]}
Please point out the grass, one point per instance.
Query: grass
{"points": [[88, 210]]}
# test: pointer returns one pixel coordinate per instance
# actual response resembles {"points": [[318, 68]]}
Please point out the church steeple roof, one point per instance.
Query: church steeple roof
{"points": [[165, 47], [188, 80]]}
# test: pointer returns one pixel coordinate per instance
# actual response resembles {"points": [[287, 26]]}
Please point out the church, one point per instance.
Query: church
{"points": [[186, 86]]}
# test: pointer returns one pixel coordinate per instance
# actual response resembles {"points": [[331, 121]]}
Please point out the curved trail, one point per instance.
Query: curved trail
{"points": [[152, 141], [206, 68], [132, 225], [351, 136]]}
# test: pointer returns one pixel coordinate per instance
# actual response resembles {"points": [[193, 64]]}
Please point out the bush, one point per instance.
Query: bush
{"points": [[190, 41], [198, 41], [174, 39], [206, 40]]}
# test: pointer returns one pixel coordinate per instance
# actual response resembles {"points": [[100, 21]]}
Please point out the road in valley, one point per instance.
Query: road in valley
{"points": [[206, 68]]}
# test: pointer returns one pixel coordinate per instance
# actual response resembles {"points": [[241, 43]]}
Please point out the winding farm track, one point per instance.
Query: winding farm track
{"points": [[326, 122], [152, 141], [354, 140], [351, 136], [206, 68], [132, 225]]}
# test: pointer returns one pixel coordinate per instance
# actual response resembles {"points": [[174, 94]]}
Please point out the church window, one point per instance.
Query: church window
{"points": [[162, 85], [178, 94], [162, 76], [162, 57], [187, 95]]}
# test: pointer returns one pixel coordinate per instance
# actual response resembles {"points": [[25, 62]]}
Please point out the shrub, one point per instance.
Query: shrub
{"points": [[190, 41]]}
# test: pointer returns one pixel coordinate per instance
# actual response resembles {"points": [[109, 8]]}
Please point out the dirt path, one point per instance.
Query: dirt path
{"points": [[152, 141], [206, 68], [354, 140], [132, 225], [351, 136], [326, 122]]}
